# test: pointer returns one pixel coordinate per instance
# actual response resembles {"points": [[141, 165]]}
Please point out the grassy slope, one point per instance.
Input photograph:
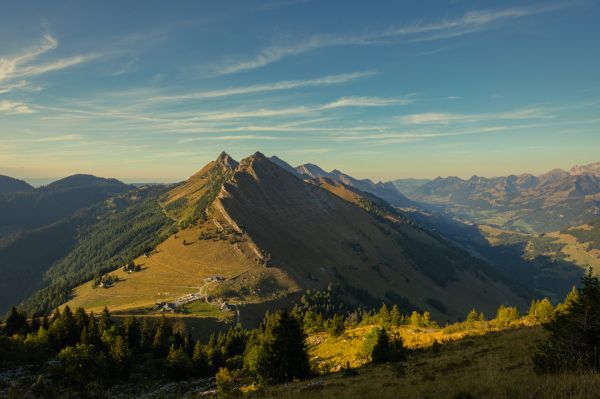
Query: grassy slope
{"points": [[495, 365], [557, 244], [173, 271]]}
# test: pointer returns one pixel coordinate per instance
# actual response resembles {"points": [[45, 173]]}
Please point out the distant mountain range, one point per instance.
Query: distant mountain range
{"points": [[386, 191], [29, 208], [526, 203]]}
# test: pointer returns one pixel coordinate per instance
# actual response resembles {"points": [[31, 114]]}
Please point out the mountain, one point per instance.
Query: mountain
{"points": [[525, 203], [268, 235], [12, 185], [387, 191], [592, 169], [20, 211], [408, 186]]}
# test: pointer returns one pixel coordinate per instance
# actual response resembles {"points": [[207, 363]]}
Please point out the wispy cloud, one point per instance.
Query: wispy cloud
{"points": [[282, 85], [26, 65], [61, 138], [442, 118], [228, 138], [468, 23], [15, 107], [358, 101]]}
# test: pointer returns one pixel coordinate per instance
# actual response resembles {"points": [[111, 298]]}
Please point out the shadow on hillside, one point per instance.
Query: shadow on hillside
{"points": [[542, 275]]}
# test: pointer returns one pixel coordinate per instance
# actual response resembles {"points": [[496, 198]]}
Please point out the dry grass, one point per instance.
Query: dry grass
{"points": [[495, 365], [175, 270]]}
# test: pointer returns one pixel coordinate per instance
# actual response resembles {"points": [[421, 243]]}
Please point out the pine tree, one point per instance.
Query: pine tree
{"points": [[395, 316], [132, 333], [384, 316], [178, 363], [16, 323], [380, 351], [415, 319], [574, 343], [472, 317], [120, 356], [105, 321], [279, 354], [81, 319], [161, 340], [336, 325], [147, 335], [540, 311], [200, 361]]}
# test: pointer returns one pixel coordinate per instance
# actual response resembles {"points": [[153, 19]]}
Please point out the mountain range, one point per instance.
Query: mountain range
{"points": [[524, 203], [260, 232], [270, 232]]}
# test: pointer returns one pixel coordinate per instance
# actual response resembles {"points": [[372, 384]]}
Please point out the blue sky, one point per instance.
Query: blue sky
{"points": [[385, 89]]}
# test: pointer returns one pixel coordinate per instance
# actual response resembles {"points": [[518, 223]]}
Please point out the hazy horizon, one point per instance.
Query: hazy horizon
{"points": [[38, 181], [394, 91]]}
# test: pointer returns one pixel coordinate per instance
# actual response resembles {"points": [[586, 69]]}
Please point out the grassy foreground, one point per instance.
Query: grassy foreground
{"points": [[494, 365]]}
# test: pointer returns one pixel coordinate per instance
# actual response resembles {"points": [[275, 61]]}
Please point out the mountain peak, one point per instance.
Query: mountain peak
{"points": [[226, 160], [590, 169], [311, 170]]}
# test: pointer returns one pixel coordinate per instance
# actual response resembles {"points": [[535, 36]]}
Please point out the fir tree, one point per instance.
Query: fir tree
{"points": [[16, 323], [279, 354], [574, 342]]}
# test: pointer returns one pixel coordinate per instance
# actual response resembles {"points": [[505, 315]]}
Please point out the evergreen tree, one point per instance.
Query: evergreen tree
{"points": [[379, 353], [81, 319], [104, 321], [178, 363], [162, 337], [572, 297], [132, 333], [540, 311], [395, 316], [147, 335], [574, 343], [200, 361], [279, 354], [472, 317], [90, 334], [505, 316], [16, 323], [120, 356], [336, 325], [415, 319], [384, 316]]}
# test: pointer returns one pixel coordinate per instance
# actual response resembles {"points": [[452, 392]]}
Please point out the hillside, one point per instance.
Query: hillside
{"points": [[45, 205], [525, 203], [495, 365], [268, 234], [12, 185], [40, 266]]}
